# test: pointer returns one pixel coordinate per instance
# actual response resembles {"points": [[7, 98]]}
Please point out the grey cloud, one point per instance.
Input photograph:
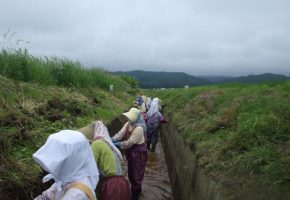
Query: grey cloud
{"points": [[200, 37]]}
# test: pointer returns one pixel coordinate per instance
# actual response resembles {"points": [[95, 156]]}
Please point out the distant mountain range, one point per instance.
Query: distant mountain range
{"points": [[149, 79], [246, 79]]}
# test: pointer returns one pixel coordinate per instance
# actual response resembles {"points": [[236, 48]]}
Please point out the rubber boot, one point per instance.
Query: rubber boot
{"points": [[135, 195], [153, 147]]}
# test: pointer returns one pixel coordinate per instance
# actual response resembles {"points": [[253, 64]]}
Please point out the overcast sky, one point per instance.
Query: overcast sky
{"points": [[199, 37]]}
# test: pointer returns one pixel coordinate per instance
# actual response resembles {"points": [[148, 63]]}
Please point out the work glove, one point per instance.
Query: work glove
{"points": [[117, 144], [163, 121]]}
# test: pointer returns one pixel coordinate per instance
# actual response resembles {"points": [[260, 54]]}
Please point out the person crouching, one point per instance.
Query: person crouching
{"points": [[69, 160], [113, 185]]}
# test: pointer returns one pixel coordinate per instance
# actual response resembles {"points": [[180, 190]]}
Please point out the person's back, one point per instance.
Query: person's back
{"points": [[69, 160], [113, 185], [154, 119], [107, 160]]}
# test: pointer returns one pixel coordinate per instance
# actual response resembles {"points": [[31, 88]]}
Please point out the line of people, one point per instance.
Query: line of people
{"points": [[83, 160], [151, 112]]}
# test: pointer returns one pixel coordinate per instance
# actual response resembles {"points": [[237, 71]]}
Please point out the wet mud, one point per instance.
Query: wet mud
{"points": [[156, 183]]}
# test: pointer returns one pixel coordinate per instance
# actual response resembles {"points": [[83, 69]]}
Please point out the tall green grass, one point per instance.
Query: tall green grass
{"points": [[18, 64], [238, 130], [29, 113]]}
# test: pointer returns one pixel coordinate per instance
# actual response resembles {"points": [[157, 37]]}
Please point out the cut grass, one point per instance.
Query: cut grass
{"points": [[40, 96], [30, 113]]}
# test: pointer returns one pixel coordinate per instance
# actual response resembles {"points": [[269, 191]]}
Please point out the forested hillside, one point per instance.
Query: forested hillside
{"points": [[164, 79], [267, 77], [149, 79]]}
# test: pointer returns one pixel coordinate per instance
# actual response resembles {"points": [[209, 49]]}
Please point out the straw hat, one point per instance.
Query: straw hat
{"points": [[89, 130], [132, 114]]}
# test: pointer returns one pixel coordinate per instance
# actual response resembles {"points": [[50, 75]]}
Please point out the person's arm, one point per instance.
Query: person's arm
{"points": [[118, 136], [96, 150], [163, 120], [47, 194], [137, 137]]}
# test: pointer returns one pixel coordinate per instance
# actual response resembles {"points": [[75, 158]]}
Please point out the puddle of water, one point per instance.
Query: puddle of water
{"points": [[156, 184]]}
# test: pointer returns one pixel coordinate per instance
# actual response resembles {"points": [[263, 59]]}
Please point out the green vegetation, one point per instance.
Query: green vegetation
{"points": [[19, 65], [131, 81], [238, 132], [41, 97]]}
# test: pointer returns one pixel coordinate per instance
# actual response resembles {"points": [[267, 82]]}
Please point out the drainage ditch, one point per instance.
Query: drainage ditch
{"points": [[156, 184]]}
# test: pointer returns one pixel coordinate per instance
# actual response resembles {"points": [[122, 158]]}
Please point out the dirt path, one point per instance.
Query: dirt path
{"points": [[156, 184]]}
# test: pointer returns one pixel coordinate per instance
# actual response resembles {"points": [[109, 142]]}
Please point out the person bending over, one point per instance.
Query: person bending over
{"points": [[69, 160], [132, 138]]}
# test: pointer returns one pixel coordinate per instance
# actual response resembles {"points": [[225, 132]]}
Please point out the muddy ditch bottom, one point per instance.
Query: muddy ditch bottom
{"points": [[156, 183]]}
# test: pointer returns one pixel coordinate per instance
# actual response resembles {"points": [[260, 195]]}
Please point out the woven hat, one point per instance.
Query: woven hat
{"points": [[88, 130], [132, 114]]}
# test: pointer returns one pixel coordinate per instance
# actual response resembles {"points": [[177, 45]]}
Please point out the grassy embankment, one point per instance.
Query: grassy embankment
{"points": [[40, 96], [239, 133]]}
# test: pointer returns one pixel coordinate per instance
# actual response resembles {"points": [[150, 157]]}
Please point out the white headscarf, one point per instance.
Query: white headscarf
{"points": [[68, 157], [101, 132], [148, 103], [154, 107]]}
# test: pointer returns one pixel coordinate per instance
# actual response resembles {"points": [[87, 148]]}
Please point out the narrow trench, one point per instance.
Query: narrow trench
{"points": [[156, 184]]}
